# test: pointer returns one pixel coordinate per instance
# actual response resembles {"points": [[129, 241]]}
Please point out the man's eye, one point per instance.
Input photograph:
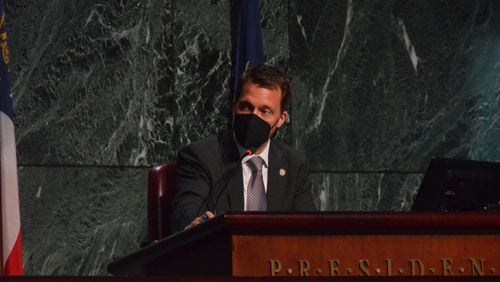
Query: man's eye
{"points": [[244, 107], [266, 112]]}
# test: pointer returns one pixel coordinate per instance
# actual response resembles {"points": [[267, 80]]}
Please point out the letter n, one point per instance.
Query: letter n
{"points": [[477, 266]]}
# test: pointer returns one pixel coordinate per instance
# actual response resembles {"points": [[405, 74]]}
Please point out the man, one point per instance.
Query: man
{"points": [[244, 169]]}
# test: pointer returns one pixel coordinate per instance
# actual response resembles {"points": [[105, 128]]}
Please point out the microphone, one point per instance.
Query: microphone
{"points": [[250, 151], [225, 179]]}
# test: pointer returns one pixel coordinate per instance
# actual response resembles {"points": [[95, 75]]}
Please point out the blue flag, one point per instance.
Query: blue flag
{"points": [[5, 97], [247, 47]]}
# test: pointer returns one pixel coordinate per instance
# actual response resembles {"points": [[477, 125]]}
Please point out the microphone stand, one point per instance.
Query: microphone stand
{"points": [[248, 152]]}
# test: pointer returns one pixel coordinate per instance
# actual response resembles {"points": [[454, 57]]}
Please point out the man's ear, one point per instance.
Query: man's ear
{"points": [[283, 118]]}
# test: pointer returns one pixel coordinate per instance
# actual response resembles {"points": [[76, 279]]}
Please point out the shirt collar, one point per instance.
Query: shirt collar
{"points": [[264, 154]]}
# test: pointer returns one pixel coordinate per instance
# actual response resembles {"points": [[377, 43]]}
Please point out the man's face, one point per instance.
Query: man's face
{"points": [[263, 102]]}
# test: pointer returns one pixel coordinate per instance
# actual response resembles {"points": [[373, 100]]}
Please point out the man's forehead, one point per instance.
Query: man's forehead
{"points": [[260, 85], [252, 88]]}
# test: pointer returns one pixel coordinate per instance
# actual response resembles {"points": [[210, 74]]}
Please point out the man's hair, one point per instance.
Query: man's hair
{"points": [[270, 78]]}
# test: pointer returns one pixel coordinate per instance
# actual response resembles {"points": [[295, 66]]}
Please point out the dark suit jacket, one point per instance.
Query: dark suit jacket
{"points": [[203, 168]]}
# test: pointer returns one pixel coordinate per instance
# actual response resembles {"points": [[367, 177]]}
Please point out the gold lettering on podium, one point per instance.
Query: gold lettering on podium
{"points": [[477, 266], [389, 266], [275, 266], [363, 266], [446, 263], [304, 266], [334, 267], [417, 267], [414, 263]]}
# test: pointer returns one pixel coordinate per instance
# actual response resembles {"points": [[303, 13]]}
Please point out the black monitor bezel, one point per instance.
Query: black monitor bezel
{"points": [[447, 183]]}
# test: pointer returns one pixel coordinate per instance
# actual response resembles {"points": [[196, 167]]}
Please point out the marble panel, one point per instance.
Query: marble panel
{"points": [[75, 220], [482, 82], [386, 85], [274, 23], [202, 43], [91, 80], [124, 83], [365, 191]]}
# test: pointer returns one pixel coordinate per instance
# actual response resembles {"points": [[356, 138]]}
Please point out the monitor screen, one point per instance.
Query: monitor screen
{"points": [[459, 185]]}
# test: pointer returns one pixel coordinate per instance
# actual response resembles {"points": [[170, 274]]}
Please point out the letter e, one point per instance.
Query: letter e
{"points": [[446, 266], [334, 267]]}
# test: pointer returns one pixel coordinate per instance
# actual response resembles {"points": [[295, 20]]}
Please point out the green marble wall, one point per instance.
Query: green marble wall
{"points": [[105, 89]]}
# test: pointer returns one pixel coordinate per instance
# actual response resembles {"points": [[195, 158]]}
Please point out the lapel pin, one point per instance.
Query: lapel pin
{"points": [[282, 171]]}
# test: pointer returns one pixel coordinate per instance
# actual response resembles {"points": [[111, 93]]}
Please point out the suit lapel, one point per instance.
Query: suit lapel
{"points": [[277, 178], [231, 159]]}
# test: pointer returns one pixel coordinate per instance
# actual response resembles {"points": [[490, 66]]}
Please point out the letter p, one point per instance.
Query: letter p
{"points": [[274, 266]]}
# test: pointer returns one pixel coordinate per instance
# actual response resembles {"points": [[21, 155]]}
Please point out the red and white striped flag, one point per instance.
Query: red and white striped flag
{"points": [[12, 258]]}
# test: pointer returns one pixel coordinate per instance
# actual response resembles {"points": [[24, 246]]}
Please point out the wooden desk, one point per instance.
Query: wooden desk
{"points": [[327, 244]]}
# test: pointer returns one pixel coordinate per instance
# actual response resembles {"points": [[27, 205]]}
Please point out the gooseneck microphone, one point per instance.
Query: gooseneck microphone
{"points": [[210, 201]]}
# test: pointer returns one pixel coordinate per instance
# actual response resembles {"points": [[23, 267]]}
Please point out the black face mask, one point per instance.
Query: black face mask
{"points": [[250, 131]]}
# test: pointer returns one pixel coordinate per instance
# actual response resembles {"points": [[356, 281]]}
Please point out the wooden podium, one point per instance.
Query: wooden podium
{"points": [[326, 244]]}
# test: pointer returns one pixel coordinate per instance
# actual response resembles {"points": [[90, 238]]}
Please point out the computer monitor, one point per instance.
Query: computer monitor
{"points": [[459, 185]]}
